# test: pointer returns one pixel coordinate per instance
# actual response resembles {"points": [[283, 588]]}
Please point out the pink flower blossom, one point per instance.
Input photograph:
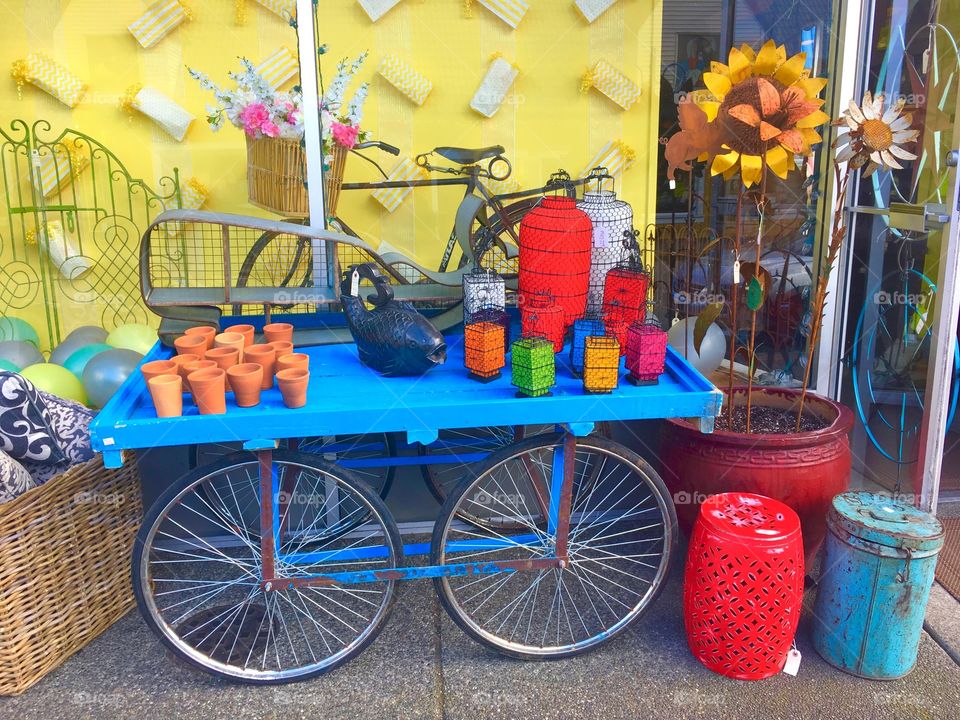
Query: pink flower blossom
{"points": [[253, 117], [345, 135], [269, 129]]}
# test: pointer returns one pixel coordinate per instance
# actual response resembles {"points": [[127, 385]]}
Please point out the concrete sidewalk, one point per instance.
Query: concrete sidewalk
{"points": [[422, 666]]}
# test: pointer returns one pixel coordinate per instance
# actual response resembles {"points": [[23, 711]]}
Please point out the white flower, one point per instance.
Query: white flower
{"points": [[873, 137]]}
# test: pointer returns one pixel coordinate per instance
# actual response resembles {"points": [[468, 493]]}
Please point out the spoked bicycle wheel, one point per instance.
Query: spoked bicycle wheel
{"points": [[622, 534], [197, 571]]}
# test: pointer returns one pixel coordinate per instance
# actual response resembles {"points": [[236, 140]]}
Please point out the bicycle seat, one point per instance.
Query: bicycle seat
{"points": [[467, 156]]}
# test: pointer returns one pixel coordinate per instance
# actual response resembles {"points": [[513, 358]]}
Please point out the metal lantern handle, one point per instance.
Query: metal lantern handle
{"points": [[599, 174]]}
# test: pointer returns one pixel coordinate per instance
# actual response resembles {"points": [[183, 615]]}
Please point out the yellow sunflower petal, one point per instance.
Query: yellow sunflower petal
{"points": [[751, 169], [812, 87], [739, 66], [723, 163], [779, 161], [810, 137], [710, 107], [813, 120], [719, 68], [767, 59], [719, 85], [730, 172], [790, 71], [748, 51]]}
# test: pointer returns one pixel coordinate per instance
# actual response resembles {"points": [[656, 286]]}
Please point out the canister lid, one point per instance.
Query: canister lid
{"points": [[883, 521], [746, 516]]}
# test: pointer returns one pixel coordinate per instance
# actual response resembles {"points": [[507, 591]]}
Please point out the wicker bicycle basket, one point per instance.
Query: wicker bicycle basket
{"points": [[276, 174], [65, 552]]}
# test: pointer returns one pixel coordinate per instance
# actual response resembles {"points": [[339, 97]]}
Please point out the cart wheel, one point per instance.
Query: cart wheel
{"points": [[197, 571], [456, 449], [622, 533], [357, 453]]}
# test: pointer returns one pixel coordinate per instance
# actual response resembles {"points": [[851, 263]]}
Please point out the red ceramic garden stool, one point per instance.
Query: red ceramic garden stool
{"points": [[743, 588]]}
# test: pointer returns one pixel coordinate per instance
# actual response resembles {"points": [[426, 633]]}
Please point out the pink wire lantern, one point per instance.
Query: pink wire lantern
{"points": [[646, 353]]}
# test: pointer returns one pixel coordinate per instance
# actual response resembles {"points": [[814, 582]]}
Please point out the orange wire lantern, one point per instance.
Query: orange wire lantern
{"points": [[601, 364], [483, 350]]}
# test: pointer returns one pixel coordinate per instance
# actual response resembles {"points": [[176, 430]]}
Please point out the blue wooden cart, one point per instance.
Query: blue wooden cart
{"points": [[276, 561]]}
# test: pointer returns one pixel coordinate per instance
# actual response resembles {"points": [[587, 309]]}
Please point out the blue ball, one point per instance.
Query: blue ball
{"points": [[79, 358]]}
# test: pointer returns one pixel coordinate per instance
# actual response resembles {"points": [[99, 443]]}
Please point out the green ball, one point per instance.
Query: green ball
{"points": [[56, 380], [12, 328], [133, 336], [79, 358], [9, 366]]}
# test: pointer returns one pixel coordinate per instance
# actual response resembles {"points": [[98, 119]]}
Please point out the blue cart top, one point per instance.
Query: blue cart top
{"points": [[881, 520], [345, 397]]}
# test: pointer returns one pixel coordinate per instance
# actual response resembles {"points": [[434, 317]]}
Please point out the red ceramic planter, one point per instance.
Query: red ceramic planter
{"points": [[804, 470]]}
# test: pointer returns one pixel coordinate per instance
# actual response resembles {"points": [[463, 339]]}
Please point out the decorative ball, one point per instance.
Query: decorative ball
{"points": [[70, 345], [79, 359], [12, 328], [133, 336], [712, 349], [8, 366], [56, 380], [106, 372], [20, 353], [91, 333]]}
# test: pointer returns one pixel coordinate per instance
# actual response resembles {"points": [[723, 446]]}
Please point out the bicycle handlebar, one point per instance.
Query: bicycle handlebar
{"points": [[377, 144]]}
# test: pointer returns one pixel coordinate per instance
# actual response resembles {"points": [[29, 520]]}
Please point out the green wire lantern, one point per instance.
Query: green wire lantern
{"points": [[533, 366]]}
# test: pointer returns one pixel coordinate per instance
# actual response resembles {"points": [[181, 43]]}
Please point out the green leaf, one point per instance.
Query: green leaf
{"points": [[704, 320], [755, 294]]}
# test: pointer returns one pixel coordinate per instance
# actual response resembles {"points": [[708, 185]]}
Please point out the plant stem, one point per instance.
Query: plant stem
{"points": [[735, 285], [752, 350], [838, 232]]}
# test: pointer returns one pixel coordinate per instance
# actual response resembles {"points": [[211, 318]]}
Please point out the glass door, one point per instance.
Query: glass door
{"points": [[900, 226]]}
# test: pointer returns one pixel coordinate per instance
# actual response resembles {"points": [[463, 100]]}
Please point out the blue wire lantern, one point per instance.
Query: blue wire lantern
{"points": [[582, 329]]}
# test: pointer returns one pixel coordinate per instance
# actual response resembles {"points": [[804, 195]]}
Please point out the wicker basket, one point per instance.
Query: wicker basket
{"points": [[276, 170], [64, 567]]}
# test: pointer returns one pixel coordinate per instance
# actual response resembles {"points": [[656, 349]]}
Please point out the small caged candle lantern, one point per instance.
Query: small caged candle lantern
{"points": [[483, 350], [601, 364], [483, 289], [499, 316], [646, 352], [617, 327], [625, 287], [542, 317], [582, 329], [534, 371]]}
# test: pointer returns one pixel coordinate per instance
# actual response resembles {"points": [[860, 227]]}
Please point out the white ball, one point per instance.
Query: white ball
{"points": [[712, 349]]}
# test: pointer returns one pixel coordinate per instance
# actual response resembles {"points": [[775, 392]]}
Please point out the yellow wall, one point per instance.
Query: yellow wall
{"points": [[547, 123]]}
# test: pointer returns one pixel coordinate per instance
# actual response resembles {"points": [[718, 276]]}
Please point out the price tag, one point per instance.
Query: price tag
{"points": [[601, 236], [355, 284], [792, 665], [736, 271]]}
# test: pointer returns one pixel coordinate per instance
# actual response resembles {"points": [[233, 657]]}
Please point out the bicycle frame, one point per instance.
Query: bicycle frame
{"points": [[558, 509]]}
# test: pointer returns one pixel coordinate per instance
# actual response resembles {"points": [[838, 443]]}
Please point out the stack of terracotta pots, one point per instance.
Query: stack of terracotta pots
{"points": [[209, 364]]}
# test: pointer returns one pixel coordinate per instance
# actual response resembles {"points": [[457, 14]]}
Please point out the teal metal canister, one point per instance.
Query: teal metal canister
{"points": [[877, 572]]}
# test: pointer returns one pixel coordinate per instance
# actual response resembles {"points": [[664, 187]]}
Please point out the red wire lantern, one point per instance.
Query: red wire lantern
{"points": [[555, 246], [542, 317], [617, 327], [625, 294]]}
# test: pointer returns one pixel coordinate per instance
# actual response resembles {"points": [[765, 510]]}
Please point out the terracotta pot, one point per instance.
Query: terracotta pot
{"points": [[804, 470], [190, 344], [167, 394], [225, 358], [265, 356], [293, 360], [181, 360], [193, 366], [246, 331], [209, 390], [293, 386], [156, 368], [204, 331], [283, 347], [278, 332], [245, 379], [230, 339]]}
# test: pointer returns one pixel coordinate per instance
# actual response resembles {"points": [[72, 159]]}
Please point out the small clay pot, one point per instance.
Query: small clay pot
{"points": [[246, 331], [167, 394], [209, 390], [157, 367], [265, 356], [225, 358], [193, 366], [190, 344], [278, 331], [293, 360], [293, 386], [245, 379], [230, 339], [204, 331], [283, 347]]}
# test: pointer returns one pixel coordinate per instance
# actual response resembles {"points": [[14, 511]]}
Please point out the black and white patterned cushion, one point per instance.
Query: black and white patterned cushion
{"points": [[26, 427], [14, 478], [70, 422]]}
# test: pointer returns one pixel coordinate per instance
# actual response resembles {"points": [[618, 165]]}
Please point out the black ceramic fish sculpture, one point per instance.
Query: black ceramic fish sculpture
{"points": [[393, 338]]}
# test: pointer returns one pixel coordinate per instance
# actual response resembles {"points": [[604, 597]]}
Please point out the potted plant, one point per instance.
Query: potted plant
{"points": [[273, 124], [789, 444]]}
